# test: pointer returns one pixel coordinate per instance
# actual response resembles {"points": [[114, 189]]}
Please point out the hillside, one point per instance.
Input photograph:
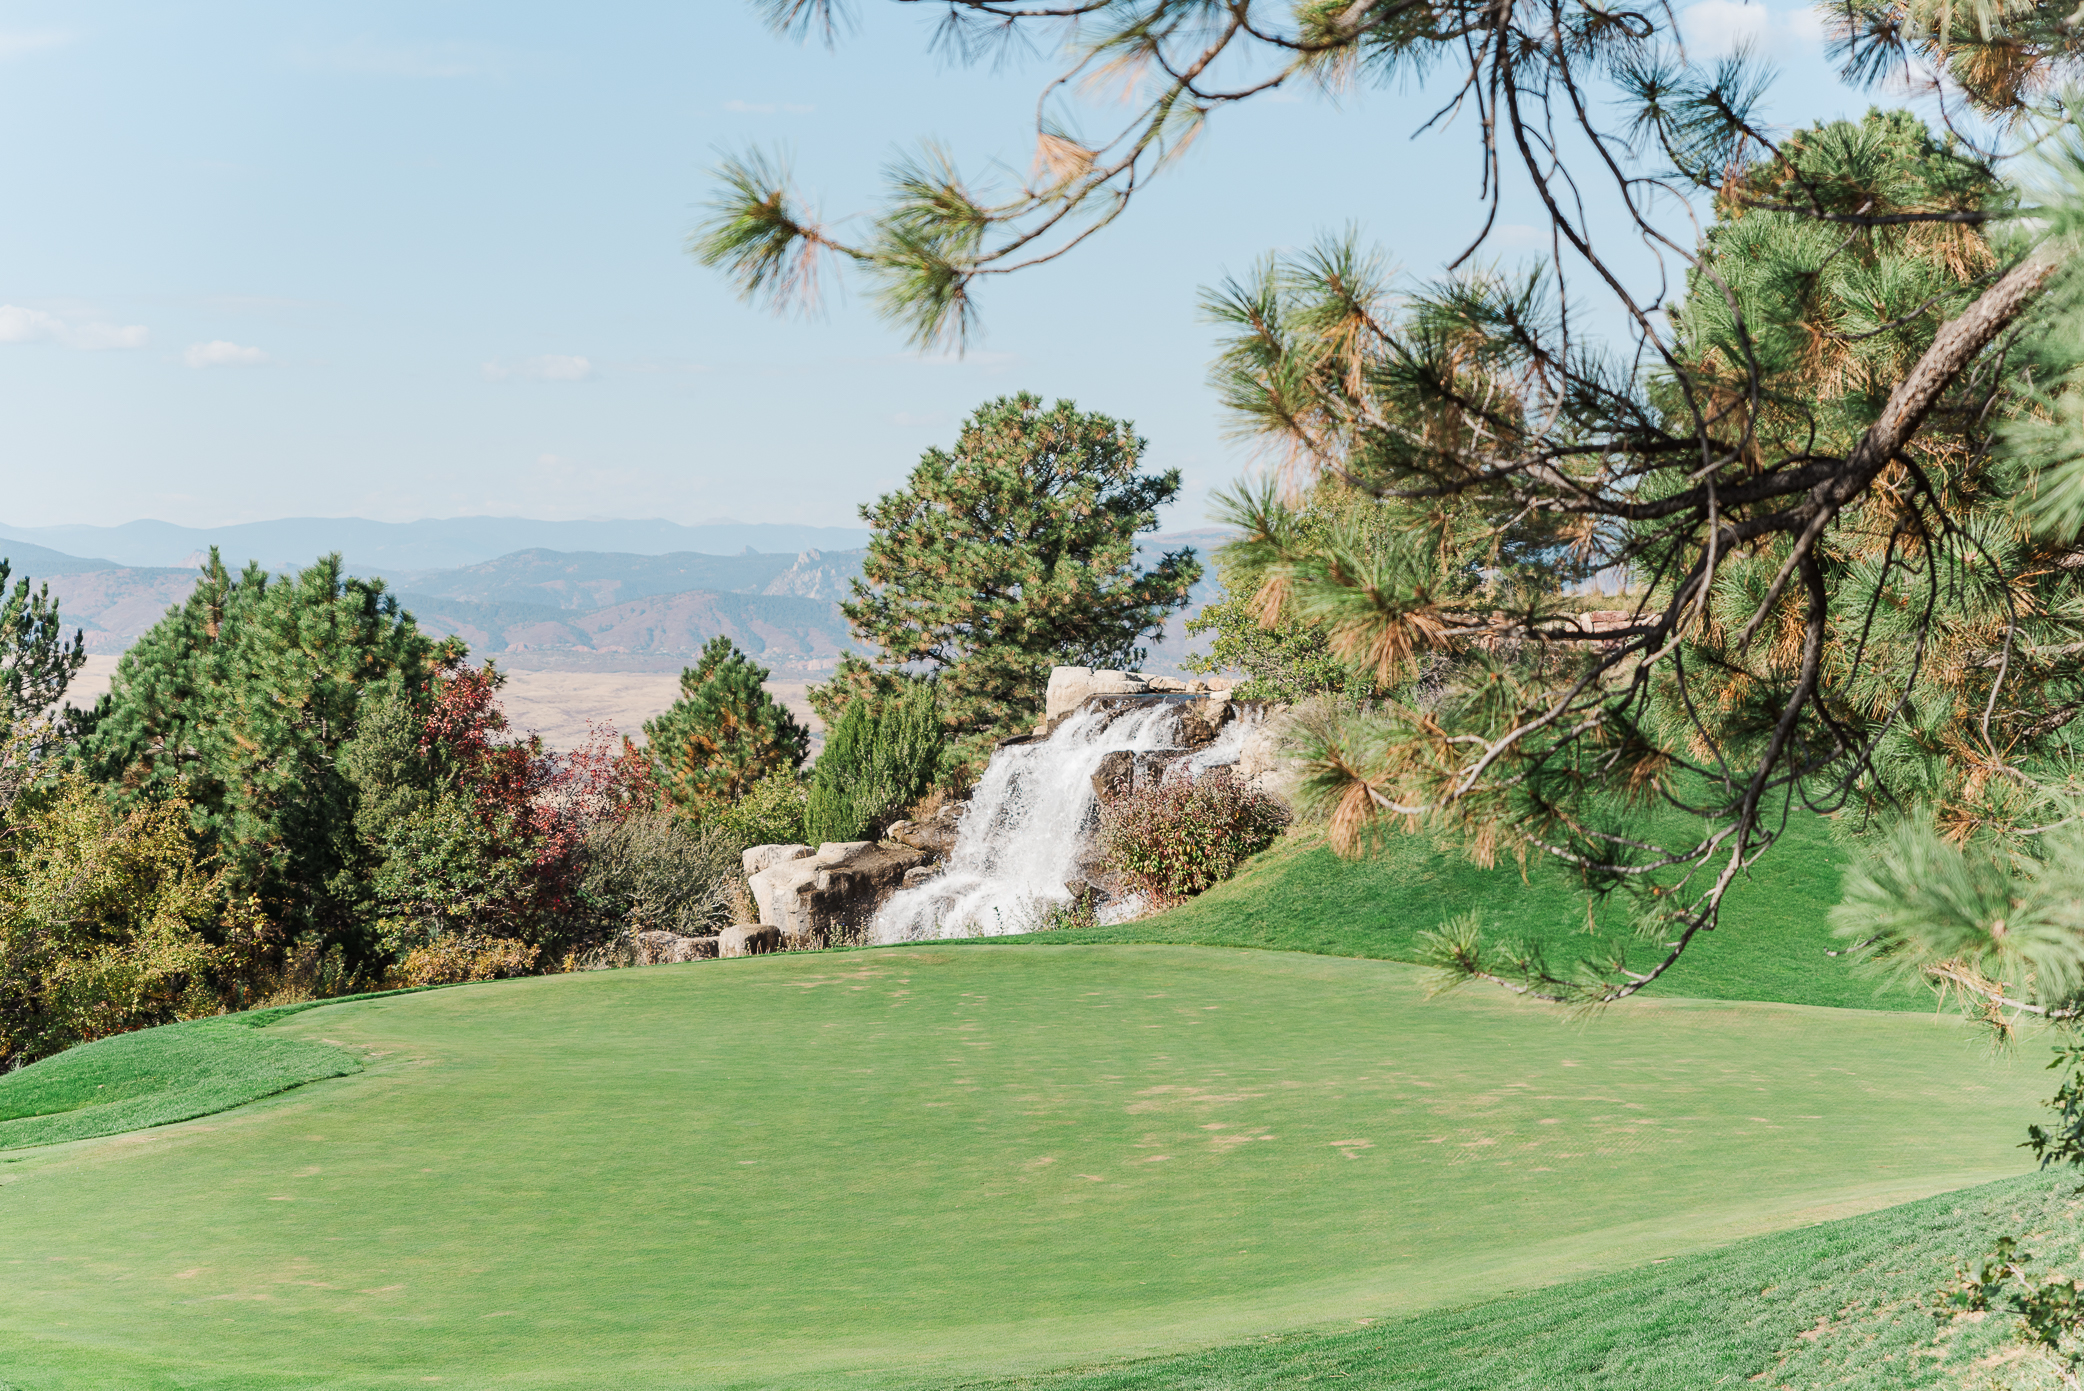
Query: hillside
{"points": [[588, 580], [547, 609], [775, 628]]}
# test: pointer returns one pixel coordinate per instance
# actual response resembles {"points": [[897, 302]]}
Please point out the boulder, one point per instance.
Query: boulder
{"points": [[917, 875], [1115, 777], [1259, 764], [934, 833], [1069, 687], [658, 948], [748, 939], [836, 892], [761, 858], [774, 886]]}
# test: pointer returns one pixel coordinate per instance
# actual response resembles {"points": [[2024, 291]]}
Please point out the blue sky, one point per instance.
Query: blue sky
{"points": [[403, 261]]}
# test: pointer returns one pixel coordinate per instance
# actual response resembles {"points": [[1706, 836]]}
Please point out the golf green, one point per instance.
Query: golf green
{"points": [[897, 1166]]}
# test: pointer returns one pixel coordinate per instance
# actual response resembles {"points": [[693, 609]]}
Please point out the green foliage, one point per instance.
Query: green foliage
{"points": [[239, 707], [2065, 1143], [879, 758], [1172, 838], [444, 869], [772, 812], [1010, 554], [102, 919], [724, 734], [1290, 659], [2000, 930], [657, 871], [36, 664], [2051, 1312]]}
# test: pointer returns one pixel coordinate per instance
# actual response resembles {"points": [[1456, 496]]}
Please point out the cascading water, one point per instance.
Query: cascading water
{"points": [[1024, 832]]}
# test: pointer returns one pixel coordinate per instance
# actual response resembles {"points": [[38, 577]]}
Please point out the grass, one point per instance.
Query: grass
{"points": [[1772, 943], [157, 1077], [1851, 1304], [919, 1164]]}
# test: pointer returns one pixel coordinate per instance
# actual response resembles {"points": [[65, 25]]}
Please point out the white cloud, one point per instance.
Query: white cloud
{"points": [[548, 368], [767, 108], [1718, 28], [19, 325], [17, 43], [222, 354]]}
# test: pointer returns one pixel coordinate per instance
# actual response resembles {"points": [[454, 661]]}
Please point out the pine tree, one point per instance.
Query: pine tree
{"points": [[1012, 553], [36, 663], [723, 734], [239, 705]]}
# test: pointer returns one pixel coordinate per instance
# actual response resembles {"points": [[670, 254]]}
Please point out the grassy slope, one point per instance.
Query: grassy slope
{"points": [[1843, 1304], [156, 1077], [1300, 897], [876, 1168]]}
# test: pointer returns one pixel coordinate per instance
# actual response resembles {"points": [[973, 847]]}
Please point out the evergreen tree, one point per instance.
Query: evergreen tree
{"points": [[240, 705], [1010, 554], [36, 664], [880, 756], [723, 734]]}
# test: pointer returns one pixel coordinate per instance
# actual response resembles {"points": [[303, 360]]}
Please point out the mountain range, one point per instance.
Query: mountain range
{"points": [[539, 608], [442, 543]]}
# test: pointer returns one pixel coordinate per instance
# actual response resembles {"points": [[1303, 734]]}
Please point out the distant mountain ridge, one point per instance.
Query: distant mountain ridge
{"points": [[594, 579], [586, 610], [435, 544]]}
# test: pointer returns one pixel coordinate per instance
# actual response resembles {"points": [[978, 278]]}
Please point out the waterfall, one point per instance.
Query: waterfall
{"points": [[1024, 833]]}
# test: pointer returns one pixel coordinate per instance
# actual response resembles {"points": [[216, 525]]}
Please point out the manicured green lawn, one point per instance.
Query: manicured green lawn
{"points": [[1847, 1304], [1771, 945], [901, 1166], [158, 1076]]}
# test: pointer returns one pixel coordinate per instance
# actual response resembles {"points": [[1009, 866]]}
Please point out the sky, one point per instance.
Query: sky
{"points": [[421, 260]]}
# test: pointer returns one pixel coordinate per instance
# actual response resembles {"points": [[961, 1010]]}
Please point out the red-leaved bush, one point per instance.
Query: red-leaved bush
{"points": [[498, 853], [1170, 839]]}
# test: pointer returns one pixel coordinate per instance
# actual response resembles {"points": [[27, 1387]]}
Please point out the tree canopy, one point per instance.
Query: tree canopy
{"points": [[240, 705], [1013, 552], [723, 734]]}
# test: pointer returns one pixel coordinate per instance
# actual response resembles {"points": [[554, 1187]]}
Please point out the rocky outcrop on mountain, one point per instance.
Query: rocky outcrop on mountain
{"points": [[818, 575], [1071, 687]]}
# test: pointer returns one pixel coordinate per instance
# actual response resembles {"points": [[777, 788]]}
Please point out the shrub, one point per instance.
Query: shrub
{"points": [[103, 916], [882, 756], [655, 872], [453, 960], [1173, 838], [771, 814]]}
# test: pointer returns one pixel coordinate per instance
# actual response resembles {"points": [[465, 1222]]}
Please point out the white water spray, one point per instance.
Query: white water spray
{"points": [[1025, 829]]}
